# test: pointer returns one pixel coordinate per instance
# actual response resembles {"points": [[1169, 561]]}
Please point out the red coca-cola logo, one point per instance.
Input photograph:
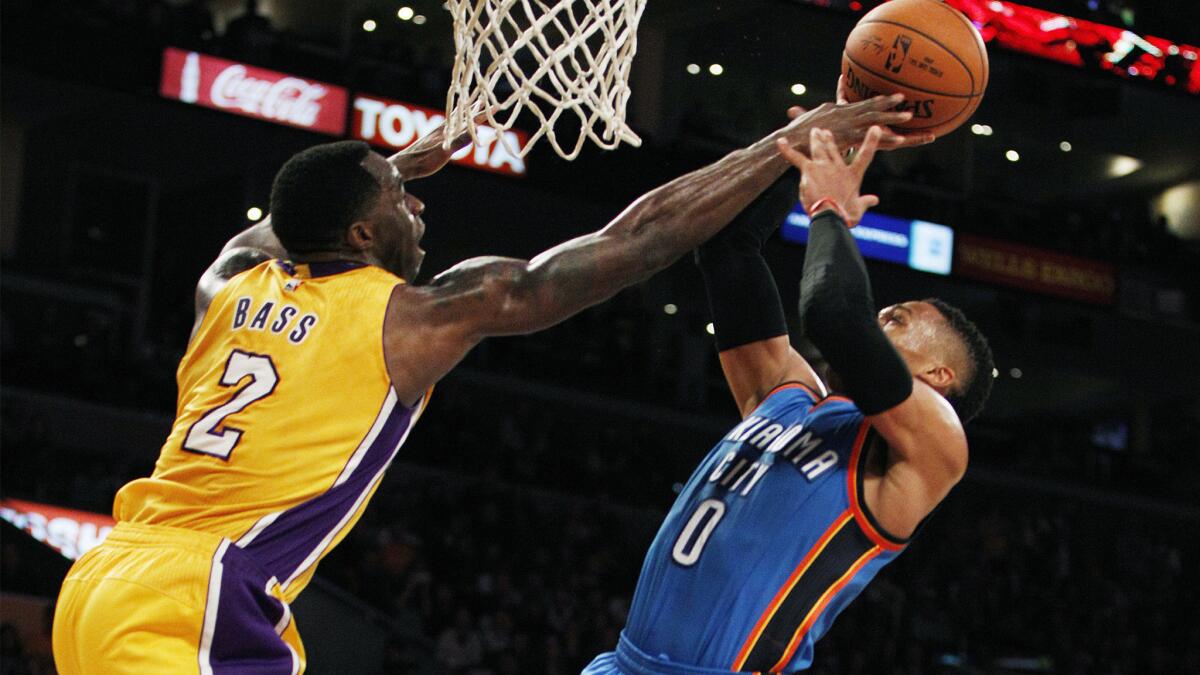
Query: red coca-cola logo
{"points": [[290, 99], [264, 94]]}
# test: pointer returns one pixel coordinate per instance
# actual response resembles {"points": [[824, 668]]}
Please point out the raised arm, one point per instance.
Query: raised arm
{"points": [[751, 330], [927, 446]]}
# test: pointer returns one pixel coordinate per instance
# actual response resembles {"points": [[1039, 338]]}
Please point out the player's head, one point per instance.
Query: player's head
{"points": [[944, 349], [343, 198]]}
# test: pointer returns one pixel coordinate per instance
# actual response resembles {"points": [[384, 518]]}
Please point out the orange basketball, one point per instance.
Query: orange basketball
{"points": [[924, 49]]}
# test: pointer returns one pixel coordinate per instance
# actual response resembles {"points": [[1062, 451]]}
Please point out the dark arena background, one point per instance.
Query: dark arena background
{"points": [[508, 535]]}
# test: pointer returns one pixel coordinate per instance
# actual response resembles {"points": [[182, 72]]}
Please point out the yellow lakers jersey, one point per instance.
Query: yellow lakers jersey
{"points": [[286, 418]]}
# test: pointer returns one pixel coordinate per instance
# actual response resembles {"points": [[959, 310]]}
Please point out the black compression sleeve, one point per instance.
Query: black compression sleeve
{"points": [[742, 294], [838, 314]]}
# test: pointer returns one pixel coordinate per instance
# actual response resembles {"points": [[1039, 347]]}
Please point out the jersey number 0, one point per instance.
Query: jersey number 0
{"points": [[207, 436], [690, 545]]}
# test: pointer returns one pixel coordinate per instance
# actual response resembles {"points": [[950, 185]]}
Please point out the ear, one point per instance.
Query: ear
{"points": [[360, 235], [940, 377]]}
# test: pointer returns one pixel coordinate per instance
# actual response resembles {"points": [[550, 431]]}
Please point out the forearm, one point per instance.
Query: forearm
{"points": [[655, 230], [838, 314], [679, 216], [742, 295]]}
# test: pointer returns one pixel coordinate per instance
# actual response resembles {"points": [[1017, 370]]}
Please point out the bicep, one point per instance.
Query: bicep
{"points": [[925, 434], [753, 370]]}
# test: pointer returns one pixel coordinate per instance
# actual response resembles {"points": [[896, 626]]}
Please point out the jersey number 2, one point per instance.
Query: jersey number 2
{"points": [[690, 545], [207, 436]]}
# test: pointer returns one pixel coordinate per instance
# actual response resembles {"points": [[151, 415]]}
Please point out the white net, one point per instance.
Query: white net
{"points": [[552, 58]]}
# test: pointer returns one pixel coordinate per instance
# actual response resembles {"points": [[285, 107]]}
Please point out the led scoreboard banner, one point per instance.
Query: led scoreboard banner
{"points": [[917, 244], [1076, 42]]}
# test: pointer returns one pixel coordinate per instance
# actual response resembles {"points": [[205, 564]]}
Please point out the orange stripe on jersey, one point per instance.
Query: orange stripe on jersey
{"points": [[876, 537], [793, 385], [787, 587], [818, 608]]}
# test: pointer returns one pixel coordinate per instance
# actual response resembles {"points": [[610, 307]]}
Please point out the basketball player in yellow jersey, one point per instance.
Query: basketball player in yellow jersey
{"points": [[310, 362]]}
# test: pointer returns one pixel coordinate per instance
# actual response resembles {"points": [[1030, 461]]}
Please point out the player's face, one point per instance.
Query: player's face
{"points": [[397, 221], [914, 329]]}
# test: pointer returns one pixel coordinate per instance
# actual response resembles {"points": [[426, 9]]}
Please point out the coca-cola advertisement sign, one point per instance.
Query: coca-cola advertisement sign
{"points": [[396, 125], [263, 94]]}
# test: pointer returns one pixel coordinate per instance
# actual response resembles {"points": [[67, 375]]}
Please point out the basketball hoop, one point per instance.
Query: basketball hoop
{"points": [[549, 57]]}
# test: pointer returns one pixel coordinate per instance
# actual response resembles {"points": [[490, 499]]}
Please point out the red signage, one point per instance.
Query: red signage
{"points": [[263, 94], [1034, 269], [397, 125], [1084, 43], [67, 531]]}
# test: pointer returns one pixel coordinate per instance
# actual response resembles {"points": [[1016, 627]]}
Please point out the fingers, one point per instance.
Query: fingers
{"points": [[867, 201], [915, 139], [795, 111], [842, 90], [882, 103], [797, 158], [866, 152], [822, 146]]}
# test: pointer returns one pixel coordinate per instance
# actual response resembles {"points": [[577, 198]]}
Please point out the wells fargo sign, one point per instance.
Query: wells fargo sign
{"points": [[1034, 269]]}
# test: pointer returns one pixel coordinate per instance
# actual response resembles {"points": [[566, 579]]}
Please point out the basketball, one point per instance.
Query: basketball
{"points": [[927, 51]]}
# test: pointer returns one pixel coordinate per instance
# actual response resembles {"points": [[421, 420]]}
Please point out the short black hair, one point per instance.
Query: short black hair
{"points": [[318, 193], [968, 400]]}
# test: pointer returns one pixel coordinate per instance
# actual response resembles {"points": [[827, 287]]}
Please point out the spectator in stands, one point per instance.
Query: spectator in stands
{"points": [[250, 36]]}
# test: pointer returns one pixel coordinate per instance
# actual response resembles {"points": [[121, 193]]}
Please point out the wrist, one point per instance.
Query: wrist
{"points": [[828, 204]]}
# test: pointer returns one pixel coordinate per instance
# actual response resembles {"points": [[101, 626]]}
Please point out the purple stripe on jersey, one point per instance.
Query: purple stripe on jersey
{"points": [[284, 545], [331, 267], [244, 636]]}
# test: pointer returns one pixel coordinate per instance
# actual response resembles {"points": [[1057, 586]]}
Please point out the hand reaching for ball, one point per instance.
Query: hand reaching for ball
{"points": [[827, 181]]}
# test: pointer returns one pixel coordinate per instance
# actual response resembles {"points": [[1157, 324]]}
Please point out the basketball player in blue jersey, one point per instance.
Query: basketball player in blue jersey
{"points": [[310, 361], [798, 507]]}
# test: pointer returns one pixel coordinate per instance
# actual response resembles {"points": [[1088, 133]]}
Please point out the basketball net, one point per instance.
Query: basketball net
{"points": [[553, 58]]}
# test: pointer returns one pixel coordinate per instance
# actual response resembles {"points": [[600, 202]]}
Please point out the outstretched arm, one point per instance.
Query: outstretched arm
{"points": [[493, 296]]}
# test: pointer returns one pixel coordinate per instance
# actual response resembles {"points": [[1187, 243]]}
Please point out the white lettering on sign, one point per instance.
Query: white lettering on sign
{"points": [[290, 99], [398, 125]]}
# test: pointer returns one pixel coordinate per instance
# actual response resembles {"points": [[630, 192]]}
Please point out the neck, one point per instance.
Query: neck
{"points": [[330, 256]]}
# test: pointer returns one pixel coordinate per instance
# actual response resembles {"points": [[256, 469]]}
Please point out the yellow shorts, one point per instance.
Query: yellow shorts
{"points": [[154, 599]]}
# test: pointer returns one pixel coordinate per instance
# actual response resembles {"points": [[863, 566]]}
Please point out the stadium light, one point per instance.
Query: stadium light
{"points": [[799, 89], [693, 69], [405, 13], [254, 214], [369, 25], [1012, 156], [716, 69]]}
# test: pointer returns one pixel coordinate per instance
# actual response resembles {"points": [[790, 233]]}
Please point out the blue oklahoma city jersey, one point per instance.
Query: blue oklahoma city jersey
{"points": [[766, 544]]}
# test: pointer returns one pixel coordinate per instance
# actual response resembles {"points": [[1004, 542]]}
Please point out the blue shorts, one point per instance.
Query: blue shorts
{"points": [[629, 660]]}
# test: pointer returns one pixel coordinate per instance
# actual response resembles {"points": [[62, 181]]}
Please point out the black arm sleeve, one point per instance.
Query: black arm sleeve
{"points": [[742, 294], [838, 315]]}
